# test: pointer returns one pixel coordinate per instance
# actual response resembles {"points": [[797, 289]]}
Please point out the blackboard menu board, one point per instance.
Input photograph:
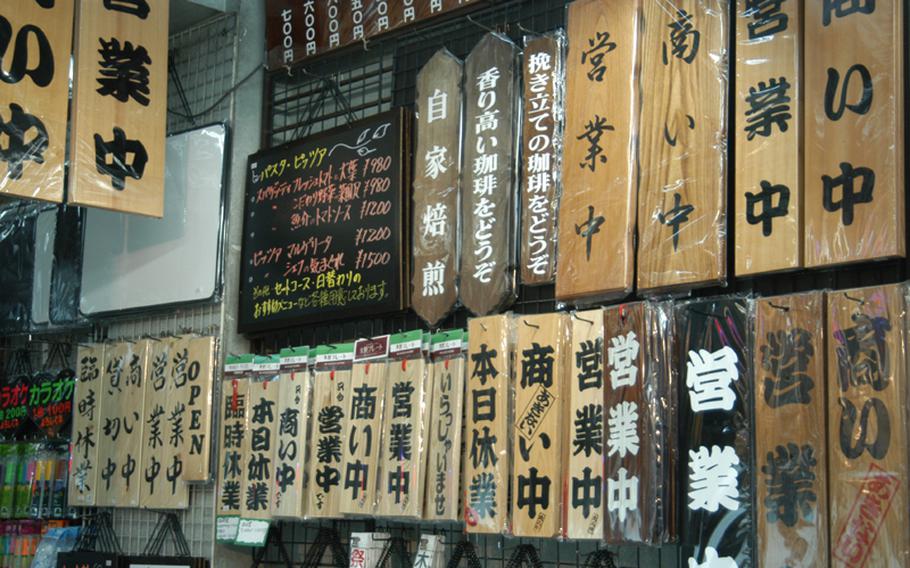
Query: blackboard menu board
{"points": [[324, 230]]}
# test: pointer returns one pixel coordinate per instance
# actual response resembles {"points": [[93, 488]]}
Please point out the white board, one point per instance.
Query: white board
{"points": [[132, 262]]}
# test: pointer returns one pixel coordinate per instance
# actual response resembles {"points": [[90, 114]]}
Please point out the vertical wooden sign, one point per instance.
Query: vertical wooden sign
{"points": [[120, 445], [120, 107], [790, 446], [363, 435], [487, 415], [331, 387], [854, 138], [541, 365], [235, 405], [34, 97], [867, 425], [682, 146], [290, 456], [715, 440], [194, 369], [584, 509], [437, 153], [543, 66], [258, 480], [488, 176], [444, 441], [86, 435], [597, 211], [769, 134], [404, 440]]}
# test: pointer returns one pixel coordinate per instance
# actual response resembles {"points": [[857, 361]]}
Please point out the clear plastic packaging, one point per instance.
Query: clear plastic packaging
{"points": [[86, 430], [291, 445], [17, 258], [368, 549], [234, 408], [258, 480], [431, 552]]}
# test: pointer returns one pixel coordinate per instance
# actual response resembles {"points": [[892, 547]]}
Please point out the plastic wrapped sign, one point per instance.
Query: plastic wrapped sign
{"points": [[682, 207], [488, 184], [790, 447], [294, 390], [715, 438], [258, 480], [855, 131], [86, 433], [597, 213], [769, 136], [34, 99], [867, 426], [234, 409], [437, 152]]}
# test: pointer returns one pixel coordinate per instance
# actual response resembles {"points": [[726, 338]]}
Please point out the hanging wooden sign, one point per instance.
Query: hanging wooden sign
{"points": [[363, 435], [331, 385], [683, 123], [790, 446], [235, 405], [290, 456], [444, 442], [769, 135], [597, 211], [584, 509], [193, 360], [258, 486], [404, 440], [541, 364], [715, 441], [437, 152], [543, 66], [488, 179], [854, 144], [120, 107], [122, 411], [487, 400], [83, 466], [867, 425], [34, 97]]}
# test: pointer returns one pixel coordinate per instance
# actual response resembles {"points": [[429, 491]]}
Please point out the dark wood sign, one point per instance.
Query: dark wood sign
{"points": [[488, 182], [434, 236], [324, 226]]}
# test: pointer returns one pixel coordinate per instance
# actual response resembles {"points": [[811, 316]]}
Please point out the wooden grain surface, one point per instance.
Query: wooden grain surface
{"points": [[437, 175], [330, 389], [444, 467], [541, 367], [682, 144], [790, 417], [488, 215], [291, 445], [543, 67], [232, 462], [584, 508], [865, 52], [597, 211], [487, 408], [259, 446], [35, 93], [867, 425], [769, 135], [194, 368], [83, 467], [99, 114], [363, 438]]}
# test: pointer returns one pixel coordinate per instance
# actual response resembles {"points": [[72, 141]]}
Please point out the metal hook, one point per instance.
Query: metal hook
{"points": [[527, 31], [535, 326], [860, 301], [575, 315], [479, 25], [784, 308]]}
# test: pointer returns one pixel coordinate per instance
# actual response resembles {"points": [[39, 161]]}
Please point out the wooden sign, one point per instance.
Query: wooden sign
{"points": [[541, 365], [331, 385], [487, 415], [83, 466], [34, 97], [363, 434], [290, 456], [444, 441], [543, 66], [790, 445], [324, 227], [488, 179], [769, 136], [120, 441], [162, 433], [235, 405], [258, 485], [193, 360], [854, 141], [293, 30], [715, 439], [584, 509], [120, 107], [867, 425], [404, 447], [597, 211], [436, 216], [682, 145]]}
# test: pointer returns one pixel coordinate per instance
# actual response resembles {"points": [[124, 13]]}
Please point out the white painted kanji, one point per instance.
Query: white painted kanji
{"points": [[621, 356], [623, 429], [709, 376], [622, 494], [713, 480]]}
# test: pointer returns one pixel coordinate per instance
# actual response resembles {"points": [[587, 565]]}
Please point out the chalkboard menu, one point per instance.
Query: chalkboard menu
{"points": [[324, 230]]}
